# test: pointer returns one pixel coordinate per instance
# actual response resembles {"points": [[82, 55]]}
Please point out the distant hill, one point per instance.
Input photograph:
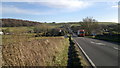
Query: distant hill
{"points": [[17, 23], [107, 23], [103, 23]]}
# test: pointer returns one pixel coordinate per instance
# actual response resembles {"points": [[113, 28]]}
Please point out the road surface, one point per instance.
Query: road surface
{"points": [[101, 53]]}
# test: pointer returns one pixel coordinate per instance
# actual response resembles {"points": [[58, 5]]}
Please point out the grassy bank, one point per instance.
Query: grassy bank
{"points": [[24, 51]]}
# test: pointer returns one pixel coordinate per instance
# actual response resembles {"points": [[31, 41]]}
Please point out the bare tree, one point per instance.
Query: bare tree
{"points": [[90, 25]]}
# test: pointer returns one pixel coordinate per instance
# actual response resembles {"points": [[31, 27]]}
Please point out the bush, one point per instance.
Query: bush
{"points": [[113, 38], [46, 30]]}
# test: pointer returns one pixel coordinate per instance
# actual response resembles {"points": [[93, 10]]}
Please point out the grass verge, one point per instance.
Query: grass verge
{"points": [[48, 51]]}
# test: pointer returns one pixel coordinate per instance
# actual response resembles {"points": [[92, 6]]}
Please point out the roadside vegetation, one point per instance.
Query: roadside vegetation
{"points": [[24, 50], [75, 56], [112, 38]]}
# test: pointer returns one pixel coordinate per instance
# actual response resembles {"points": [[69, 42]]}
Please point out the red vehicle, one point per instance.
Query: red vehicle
{"points": [[81, 33]]}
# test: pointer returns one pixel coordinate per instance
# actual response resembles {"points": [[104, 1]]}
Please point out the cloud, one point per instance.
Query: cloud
{"points": [[15, 10], [66, 4], [115, 6], [114, 20], [111, 20], [60, 6], [63, 5], [57, 0]]}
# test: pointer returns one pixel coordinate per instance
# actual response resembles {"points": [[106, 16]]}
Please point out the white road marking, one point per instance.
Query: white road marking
{"points": [[97, 43], [86, 55], [92, 42], [103, 44], [100, 43], [116, 48]]}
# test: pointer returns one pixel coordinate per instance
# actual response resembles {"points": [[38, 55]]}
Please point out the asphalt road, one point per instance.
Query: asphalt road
{"points": [[101, 53]]}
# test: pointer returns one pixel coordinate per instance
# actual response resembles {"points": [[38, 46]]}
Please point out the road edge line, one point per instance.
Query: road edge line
{"points": [[85, 54]]}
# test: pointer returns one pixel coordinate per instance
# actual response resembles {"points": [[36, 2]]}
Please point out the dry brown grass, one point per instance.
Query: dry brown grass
{"points": [[20, 51]]}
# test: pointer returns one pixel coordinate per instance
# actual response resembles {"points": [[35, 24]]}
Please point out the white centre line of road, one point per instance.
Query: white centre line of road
{"points": [[103, 44], [97, 43], [92, 42], [100, 43], [116, 48]]}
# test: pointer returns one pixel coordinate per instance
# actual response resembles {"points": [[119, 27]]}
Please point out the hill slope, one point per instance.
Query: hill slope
{"points": [[17, 22]]}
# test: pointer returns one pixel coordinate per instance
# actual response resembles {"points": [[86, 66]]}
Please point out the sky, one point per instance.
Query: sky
{"points": [[60, 10]]}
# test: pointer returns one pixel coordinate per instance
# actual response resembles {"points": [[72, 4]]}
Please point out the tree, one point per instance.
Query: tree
{"points": [[45, 22], [42, 29], [90, 25], [53, 22]]}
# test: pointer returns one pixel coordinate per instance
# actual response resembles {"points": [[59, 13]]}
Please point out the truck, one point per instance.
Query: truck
{"points": [[81, 33]]}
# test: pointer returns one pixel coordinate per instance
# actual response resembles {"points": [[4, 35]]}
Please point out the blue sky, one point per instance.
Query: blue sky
{"points": [[62, 11]]}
